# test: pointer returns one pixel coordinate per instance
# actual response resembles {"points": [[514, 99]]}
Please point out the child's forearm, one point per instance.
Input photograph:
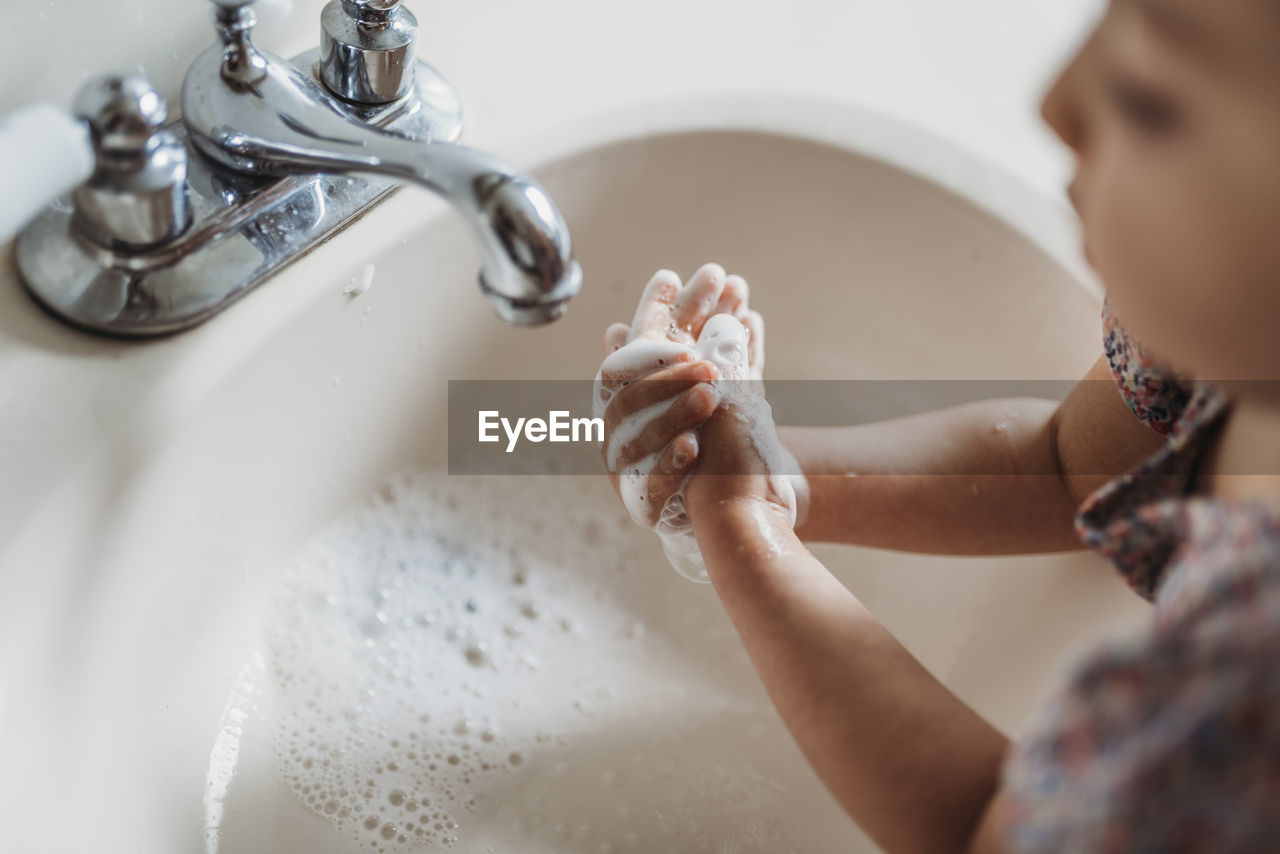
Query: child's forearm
{"points": [[982, 478], [906, 758]]}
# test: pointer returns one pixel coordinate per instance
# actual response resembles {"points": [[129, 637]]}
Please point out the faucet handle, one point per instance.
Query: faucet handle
{"points": [[127, 173], [137, 196], [367, 50], [375, 7], [242, 65], [232, 11], [123, 112]]}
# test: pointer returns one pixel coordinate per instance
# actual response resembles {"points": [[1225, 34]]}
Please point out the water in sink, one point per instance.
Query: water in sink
{"points": [[499, 664]]}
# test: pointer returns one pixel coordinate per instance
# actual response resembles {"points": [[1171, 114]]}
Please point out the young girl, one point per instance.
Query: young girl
{"points": [[1166, 742]]}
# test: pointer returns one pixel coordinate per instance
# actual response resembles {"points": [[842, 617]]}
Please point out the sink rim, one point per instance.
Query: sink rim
{"points": [[1046, 221]]}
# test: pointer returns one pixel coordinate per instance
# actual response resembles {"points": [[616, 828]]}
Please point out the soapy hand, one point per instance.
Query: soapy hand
{"points": [[742, 457], [652, 391], [682, 360], [669, 311], [742, 461]]}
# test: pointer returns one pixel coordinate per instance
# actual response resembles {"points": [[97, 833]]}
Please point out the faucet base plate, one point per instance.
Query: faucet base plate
{"points": [[243, 231]]}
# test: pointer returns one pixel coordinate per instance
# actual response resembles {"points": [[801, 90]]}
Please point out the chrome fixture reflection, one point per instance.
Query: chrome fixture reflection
{"points": [[284, 154]]}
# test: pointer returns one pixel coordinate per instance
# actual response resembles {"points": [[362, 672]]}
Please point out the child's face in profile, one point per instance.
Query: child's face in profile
{"points": [[1173, 110]]}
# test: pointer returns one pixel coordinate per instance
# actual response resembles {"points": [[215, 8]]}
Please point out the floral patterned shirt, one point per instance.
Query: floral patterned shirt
{"points": [[1167, 741]]}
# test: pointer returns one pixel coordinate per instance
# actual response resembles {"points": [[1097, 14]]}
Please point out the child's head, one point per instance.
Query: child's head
{"points": [[1173, 110]]}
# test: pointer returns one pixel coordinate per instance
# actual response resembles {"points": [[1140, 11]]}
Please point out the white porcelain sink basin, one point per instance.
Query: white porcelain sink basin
{"points": [[156, 491]]}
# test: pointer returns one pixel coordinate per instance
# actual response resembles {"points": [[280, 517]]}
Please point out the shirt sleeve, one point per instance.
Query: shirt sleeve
{"points": [[1152, 392], [1169, 742]]}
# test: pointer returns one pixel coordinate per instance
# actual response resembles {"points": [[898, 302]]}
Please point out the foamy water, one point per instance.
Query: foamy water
{"points": [[506, 664]]}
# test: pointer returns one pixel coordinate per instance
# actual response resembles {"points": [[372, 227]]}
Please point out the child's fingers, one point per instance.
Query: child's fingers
{"points": [[615, 337], [755, 332], [655, 388], [654, 313], [623, 366], [699, 298], [669, 473], [733, 300], [688, 411]]}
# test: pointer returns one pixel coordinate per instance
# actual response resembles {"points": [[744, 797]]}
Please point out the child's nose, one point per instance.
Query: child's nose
{"points": [[1065, 106], [1062, 111]]}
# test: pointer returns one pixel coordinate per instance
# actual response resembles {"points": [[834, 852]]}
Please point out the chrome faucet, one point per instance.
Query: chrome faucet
{"points": [[272, 136]]}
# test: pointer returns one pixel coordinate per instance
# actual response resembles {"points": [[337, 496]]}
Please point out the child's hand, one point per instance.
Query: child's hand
{"points": [[649, 423], [672, 312], [742, 462], [650, 457]]}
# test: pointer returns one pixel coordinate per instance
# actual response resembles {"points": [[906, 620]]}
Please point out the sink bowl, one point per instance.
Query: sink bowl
{"points": [[156, 492]]}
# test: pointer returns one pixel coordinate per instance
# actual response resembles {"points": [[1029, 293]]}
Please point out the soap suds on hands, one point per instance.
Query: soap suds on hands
{"points": [[727, 343]]}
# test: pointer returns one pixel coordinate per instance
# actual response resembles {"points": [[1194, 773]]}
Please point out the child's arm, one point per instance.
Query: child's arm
{"points": [[917, 768], [905, 757], [1036, 469]]}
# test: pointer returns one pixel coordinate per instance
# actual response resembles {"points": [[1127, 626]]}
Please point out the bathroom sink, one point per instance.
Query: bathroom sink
{"points": [[157, 491]]}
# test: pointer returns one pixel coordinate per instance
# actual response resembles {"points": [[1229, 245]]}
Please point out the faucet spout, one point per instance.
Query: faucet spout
{"points": [[277, 120]]}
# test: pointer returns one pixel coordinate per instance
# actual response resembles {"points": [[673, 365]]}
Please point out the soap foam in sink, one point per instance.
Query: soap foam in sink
{"points": [[399, 649], [492, 664]]}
